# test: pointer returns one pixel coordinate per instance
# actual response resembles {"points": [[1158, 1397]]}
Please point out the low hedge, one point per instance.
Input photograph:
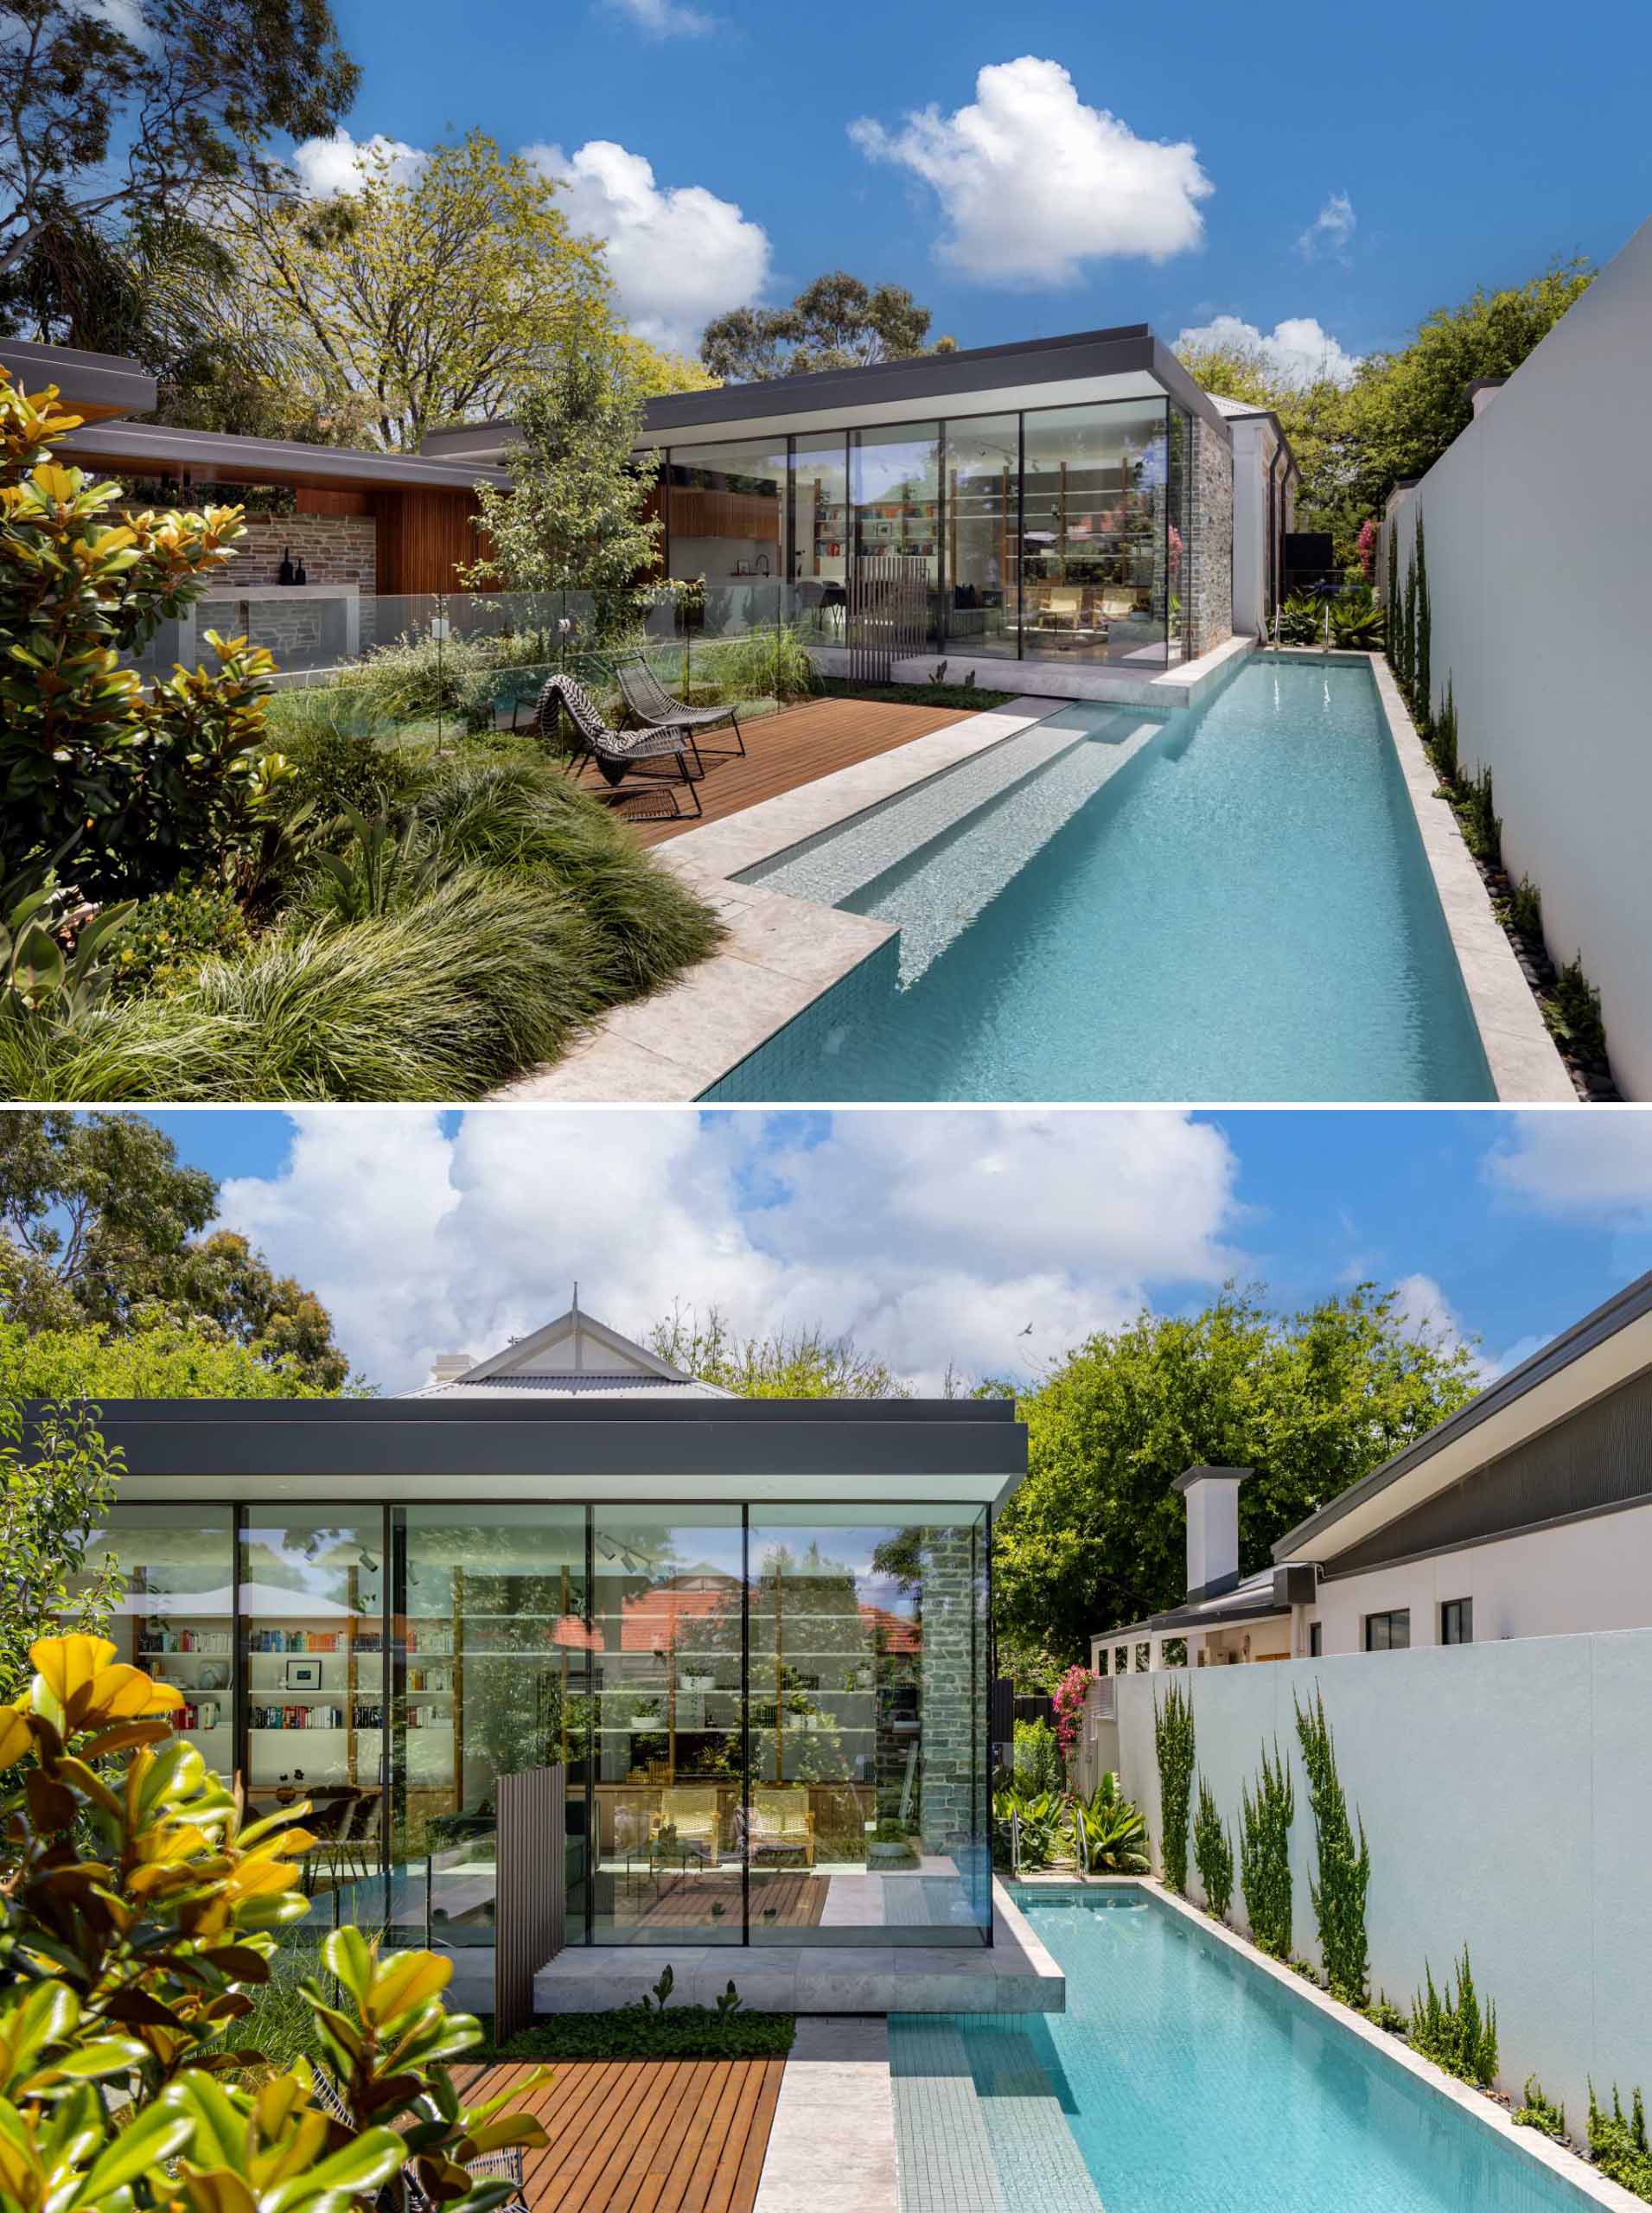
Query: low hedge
{"points": [[678, 2032]]}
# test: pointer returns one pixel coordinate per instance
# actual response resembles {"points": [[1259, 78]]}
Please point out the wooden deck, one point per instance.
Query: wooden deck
{"points": [[783, 750], [646, 2135]]}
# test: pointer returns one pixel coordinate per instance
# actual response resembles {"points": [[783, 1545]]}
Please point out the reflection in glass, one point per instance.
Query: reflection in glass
{"points": [[726, 510], [1095, 584], [491, 1654], [981, 610], [173, 1617], [819, 535], [312, 1649], [868, 1668], [667, 1619], [895, 488]]}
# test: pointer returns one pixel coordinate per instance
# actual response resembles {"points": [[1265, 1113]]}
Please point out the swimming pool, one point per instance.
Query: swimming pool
{"points": [[1229, 903], [1193, 2082]]}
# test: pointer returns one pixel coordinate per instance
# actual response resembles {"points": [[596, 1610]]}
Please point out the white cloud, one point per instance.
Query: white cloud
{"points": [[335, 166], [678, 254], [1425, 1307], [126, 17], [665, 18], [1033, 183], [1299, 349], [1331, 231], [1578, 1167], [932, 1243]]}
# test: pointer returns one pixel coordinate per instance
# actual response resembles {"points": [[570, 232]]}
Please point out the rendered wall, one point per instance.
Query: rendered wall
{"points": [[1506, 1791], [1540, 566]]}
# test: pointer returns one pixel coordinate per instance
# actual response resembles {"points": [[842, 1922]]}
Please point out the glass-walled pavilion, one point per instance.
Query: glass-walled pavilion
{"points": [[772, 1706], [1041, 533]]}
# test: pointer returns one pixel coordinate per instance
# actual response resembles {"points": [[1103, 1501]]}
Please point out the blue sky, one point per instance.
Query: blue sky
{"points": [[1347, 167], [991, 1239]]}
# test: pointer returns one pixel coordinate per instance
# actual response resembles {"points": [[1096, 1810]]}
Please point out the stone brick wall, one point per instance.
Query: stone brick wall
{"points": [[953, 1716], [334, 549], [1210, 566]]}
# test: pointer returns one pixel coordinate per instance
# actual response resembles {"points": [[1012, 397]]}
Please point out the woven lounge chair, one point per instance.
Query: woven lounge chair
{"points": [[618, 754], [781, 1824], [649, 701], [692, 1814], [491, 2167]]}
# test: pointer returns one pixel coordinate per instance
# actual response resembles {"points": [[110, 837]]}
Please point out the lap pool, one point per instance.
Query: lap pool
{"points": [[1232, 902], [1191, 2082]]}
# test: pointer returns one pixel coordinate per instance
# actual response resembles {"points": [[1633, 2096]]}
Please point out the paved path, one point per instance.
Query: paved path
{"points": [[831, 2147]]}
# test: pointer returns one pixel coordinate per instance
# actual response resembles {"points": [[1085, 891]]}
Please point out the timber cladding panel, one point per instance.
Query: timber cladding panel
{"points": [[425, 539], [531, 1890]]}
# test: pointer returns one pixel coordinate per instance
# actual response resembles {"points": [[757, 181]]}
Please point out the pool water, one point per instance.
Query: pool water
{"points": [[1193, 2083], [1232, 902]]}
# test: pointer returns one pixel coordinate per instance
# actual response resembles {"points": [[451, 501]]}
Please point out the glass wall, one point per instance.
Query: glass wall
{"points": [[868, 1690], [773, 1719], [668, 1817], [1064, 533], [981, 607], [491, 1676]]}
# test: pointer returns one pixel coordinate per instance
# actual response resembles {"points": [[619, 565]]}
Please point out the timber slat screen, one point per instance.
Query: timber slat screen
{"points": [[888, 618], [531, 1887], [645, 2135], [791, 748]]}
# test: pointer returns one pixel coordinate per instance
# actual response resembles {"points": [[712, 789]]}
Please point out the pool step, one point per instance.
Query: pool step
{"points": [[978, 2127]]}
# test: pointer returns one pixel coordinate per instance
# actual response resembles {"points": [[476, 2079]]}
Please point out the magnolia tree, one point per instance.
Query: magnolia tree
{"points": [[139, 1909]]}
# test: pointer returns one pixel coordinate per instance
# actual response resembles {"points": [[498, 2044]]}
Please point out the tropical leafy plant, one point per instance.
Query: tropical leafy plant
{"points": [[59, 1479], [1302, 619], [138, 1909], [55, 965], [1359, 623], [1173, 1739], [1038, 1815], [1264, 1853], [1213, 1852], [1114, 1830], [1338, 1891], [1452, 2028]]}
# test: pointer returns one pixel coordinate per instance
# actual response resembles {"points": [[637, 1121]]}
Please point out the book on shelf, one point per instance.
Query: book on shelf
{"points": [[295, 1717], [155, 1637]]}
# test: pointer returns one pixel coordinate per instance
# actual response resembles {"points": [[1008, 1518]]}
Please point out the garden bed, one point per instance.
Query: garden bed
{"points": [[678, 2032]]}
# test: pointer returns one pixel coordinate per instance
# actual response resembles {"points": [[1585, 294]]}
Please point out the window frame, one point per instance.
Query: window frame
{"points": [[1463, 1609], [1388, 1616]]}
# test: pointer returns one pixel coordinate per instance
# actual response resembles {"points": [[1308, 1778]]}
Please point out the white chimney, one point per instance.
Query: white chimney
{"points": [[1212, 1495], [447, 1366]]}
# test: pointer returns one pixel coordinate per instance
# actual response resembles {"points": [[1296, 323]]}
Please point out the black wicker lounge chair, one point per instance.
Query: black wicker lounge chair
{"points": [[618, 753], [649, 701]]}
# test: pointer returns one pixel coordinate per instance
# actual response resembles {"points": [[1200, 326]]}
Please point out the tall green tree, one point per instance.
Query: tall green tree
{"points": [[107, 115], [101, 1227], [576, 517], [803, 1363], [56, 1481], [836, 323], [1310, 1401]]}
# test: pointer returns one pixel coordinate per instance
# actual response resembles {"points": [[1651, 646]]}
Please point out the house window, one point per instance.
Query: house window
{"points": [[1389, 1632], [1143, 1659], [1456, 1621], [1102, 1661], [1121, 1659], [1315, 1640]]}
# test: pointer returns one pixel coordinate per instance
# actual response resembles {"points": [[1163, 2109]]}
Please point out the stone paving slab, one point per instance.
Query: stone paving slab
{"points": [[831, 2147]]}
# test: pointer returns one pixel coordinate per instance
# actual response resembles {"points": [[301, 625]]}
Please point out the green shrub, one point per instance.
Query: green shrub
{"points": [[1213, 1852], [1302, 619], [1537, 2113], [1173, 1741], [1443, 740], [1476, 810], [337, 765], [1264, 1853], [1451, 2028], [1577, 1012], [1344, 1874], [170, 934], [1618, 2143], [1037, 1760], [764, 665], [1526, 910], [1382, 2013]]}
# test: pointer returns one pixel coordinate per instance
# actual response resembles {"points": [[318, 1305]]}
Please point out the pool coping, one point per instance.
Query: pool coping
{"points": [[781, 954], [1526, 1066], [1568, 2168]]}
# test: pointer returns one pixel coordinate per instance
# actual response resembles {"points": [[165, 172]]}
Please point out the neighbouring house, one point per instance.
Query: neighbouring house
{"points": [[755, 1632], [1528, 1513], [1078, 502], [1538, 576]]}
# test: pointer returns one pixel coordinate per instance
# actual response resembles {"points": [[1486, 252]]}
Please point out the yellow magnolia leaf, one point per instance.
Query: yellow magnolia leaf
{"points": [[14, 1738], [66, 1663]]}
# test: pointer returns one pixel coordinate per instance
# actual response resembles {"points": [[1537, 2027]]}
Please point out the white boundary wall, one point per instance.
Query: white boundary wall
{"points": [[1539, 524], [1506, 1790]]}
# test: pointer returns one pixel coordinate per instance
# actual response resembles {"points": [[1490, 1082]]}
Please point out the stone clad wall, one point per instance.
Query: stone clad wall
{"points": [[334, 549], [951, 1709], [1210, 566]]}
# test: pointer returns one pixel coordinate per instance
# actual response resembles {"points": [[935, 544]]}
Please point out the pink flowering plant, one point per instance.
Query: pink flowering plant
{"points": [[1067, 1702]]}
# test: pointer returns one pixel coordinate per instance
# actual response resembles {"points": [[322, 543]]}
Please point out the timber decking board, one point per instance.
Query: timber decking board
{"points": [[644, 2135], [783, 750]]}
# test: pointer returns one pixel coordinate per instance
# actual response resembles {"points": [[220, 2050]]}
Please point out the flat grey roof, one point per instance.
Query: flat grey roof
{"points": [[974, 1450], [108, 384], [1028, 372], [1616, 1313], [216, 456]]}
